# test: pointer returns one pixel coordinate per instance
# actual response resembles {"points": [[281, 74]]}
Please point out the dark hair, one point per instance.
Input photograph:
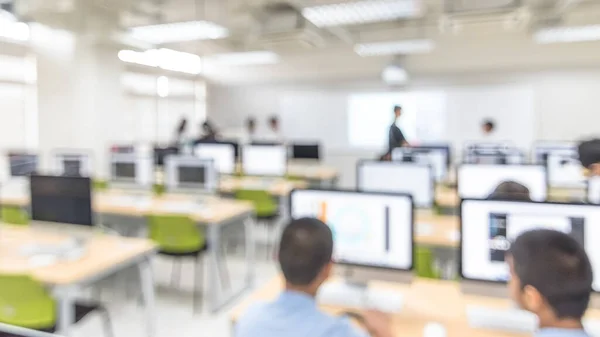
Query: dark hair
{"points": [[396, 108], [510, 190], [273, 120], [306, 247], [488, 123], [250, 122], [589, 152], [557, 266]]}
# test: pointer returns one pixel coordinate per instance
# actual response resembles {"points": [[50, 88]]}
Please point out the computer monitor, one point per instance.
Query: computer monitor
{"points": [[22, 164], [160, 153], [131, 169], [495, 157], [565, 169], [488, 227], [478, 181], [541, 150], [306, 151], [235, 144], [436, 156], [190, 173], [373, 232], [61, 199], [122, 149], [264, 160], [222, 154], [72, 163], [593, 190], [397, 177]]}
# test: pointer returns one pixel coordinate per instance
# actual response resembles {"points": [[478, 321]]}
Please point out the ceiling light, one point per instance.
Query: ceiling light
{"points": [[568, 34], [364, 11], [179, 31], [164, 58], [246, 58], [395, 47]]}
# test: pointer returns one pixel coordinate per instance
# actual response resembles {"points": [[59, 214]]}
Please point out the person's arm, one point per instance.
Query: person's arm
{"points": [[373, 323], [401, 139], [378, 324]]}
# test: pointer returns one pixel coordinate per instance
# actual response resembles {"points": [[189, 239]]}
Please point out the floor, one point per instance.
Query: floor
{"points": [[174, 311]]}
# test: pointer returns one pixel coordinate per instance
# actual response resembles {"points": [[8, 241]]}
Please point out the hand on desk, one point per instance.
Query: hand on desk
{"points": [[377, 323]]}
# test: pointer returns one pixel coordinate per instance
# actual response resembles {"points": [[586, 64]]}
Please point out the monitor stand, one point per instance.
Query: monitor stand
{"points": [[353, 290]]}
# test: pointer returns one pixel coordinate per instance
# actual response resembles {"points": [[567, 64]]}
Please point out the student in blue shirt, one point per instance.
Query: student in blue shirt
{"points": [[305, 253], [551, 276]]}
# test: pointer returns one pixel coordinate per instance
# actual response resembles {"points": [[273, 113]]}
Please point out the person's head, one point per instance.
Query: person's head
{"points": [[589, 155], [251, 124], [488, 126], [305, 253], [208, 128], [510, 190], [274, 123], [397, 111], [551, 276], [182, 126]]}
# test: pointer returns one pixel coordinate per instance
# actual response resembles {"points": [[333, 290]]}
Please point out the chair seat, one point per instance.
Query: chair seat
{"points": [[268, 217], [193, 253]]}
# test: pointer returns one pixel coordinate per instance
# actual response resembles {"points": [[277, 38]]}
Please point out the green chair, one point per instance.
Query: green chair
{"points": [[25, 303], [424, 266], [14, 215], [266, 208], [179, 237], [99, 185]]}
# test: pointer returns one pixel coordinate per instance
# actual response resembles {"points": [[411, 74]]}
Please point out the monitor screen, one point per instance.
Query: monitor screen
{"points": [[72, 168], [235, 144], [191, 174], [264, 160], [61, 199], [593, 190], [495, 157], [479, 181], [306, 151], [542, 149], [565, 169], [437, 157], [124, 170], [22, 164], [488, 227], [369, 229], [397, 177], [223, 155]]}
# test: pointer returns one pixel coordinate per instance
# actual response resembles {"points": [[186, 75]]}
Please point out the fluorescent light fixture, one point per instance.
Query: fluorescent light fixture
{"points": [[568, 34], [179, 32], [246, 58], [164, 58], [358, 12], [395, 47]]}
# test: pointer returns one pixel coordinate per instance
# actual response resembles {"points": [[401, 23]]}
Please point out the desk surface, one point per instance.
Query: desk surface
{"points": [[205, 209], [425, 301], [103, 253], [436, 230], [277, 187], [310, 170]]}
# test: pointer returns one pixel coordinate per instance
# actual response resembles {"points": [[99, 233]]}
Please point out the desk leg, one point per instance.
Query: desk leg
{"points": [[66, 309], [147, 284], [250, 251], [213, 266]]}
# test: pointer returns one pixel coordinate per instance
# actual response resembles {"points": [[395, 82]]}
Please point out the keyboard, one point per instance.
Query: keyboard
{"points": [[514, 320], [344, 295]]}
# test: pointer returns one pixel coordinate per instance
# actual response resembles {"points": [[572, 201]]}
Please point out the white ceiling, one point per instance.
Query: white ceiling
{"points": [[470, 35]]}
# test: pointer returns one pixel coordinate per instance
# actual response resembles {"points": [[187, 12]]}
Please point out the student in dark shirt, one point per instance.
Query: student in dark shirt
{"points": [[396, 137]]}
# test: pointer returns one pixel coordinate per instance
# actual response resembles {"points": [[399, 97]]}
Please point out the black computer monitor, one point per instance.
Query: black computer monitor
{"points": [[61, 199], [306, 151], [22, 164], [72, 168], [161, 152], [191, 174], [124, 170]]}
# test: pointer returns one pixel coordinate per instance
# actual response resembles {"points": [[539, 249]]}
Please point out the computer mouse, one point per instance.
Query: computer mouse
{"points": [[433, 329]]}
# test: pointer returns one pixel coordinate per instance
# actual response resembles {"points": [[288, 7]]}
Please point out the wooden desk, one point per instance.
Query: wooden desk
{"points": [[325, 175], [277, 187], [104, 255], [436, 230], [425, 301], [446, 197]]}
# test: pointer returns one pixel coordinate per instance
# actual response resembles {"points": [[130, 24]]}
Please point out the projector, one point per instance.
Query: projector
{"points": [[395, 74]]}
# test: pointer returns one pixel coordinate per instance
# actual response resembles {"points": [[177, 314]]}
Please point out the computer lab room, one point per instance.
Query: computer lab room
{"points": [[299, 168]]}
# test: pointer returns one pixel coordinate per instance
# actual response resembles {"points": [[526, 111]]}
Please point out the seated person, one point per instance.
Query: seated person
{"points": [[509, 191], [589, 155], [551, 276], [305, 253]]}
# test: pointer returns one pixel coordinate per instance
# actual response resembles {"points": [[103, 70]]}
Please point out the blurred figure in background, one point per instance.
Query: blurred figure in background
{"points": [[250, 133], [487, 127], [589, 155], [510, 190], [209, 132], [180, 133], [274, 134], [395, 136]]}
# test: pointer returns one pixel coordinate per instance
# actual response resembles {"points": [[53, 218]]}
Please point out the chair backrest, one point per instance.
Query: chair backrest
{"points": [[264, 204], [14, 215], [24, 302], [175, 233]]}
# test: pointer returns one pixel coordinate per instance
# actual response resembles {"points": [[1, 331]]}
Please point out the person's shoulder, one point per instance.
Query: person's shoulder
{"points": [[254, 313], [342, 327]]}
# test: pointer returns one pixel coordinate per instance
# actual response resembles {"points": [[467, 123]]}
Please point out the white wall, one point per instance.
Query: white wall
{"points": [[564, 107]]}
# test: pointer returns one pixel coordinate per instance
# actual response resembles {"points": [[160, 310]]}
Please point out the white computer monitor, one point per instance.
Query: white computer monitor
{"points": [[72, 163], [222, 154], [437, 157], [565, 169], [131, 169], [370, 229], [488, 227], [593, 190], [264, 160], [190, 173], [492, 156], [398, 177], [541, 150], [478, 181]]}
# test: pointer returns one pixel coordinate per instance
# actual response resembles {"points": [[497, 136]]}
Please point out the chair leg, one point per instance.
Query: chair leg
{"points": [[224, 273], [106, 321], [198, 280], [175, 275]]}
